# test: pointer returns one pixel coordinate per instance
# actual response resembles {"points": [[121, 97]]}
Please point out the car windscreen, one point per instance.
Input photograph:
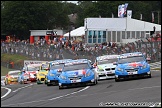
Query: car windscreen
{"points": [[56, 66], [106, 61], [32, 68], [45, 66], [76, 67], [15, 73], [131, 59]]}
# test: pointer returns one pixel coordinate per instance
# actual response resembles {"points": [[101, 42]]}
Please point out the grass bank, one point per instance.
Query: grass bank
{"points": [[5, 70], [17, 59]]}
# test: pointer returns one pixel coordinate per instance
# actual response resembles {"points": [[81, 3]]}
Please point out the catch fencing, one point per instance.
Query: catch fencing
{"points": [[53, 52]]}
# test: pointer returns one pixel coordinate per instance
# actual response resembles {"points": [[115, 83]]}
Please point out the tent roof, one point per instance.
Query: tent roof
{"points": [[77, 32]]}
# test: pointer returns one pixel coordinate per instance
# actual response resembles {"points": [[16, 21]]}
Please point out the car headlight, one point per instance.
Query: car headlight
{"points": [[88, 74], [120, 69], [100, 70], [144, 66], [52, 74], [62, 77]]}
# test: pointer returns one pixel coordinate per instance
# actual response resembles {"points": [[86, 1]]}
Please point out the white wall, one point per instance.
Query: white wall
{"points": [[128, 40], [137, 25], [112, 24], [43, 32]]}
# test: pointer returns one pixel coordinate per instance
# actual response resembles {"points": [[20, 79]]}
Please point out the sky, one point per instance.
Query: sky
{"points": [[73, 2]]}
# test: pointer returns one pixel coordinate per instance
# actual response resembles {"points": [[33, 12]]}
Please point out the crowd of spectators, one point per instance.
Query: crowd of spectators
{"points": [[53, 49]]}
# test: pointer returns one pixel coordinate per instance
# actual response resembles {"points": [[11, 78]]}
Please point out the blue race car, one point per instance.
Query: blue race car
{"points": [[77, 72], [132, 65], [55, 70]]}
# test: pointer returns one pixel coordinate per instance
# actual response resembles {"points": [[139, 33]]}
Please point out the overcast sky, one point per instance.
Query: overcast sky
{"points": [[73, 1]]}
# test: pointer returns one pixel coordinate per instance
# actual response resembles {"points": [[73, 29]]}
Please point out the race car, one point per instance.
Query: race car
{"points": [[12, 77], [43, 71], [104, 66], [132, 65], [28, 73], [77, 72], [55, 71]]}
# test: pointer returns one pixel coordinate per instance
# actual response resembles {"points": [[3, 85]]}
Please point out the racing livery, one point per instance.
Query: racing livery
{"points": [[12, 77], [132, 65], [55, 68], [43, 71], [29, 73], [104, 66], [77, 72]]}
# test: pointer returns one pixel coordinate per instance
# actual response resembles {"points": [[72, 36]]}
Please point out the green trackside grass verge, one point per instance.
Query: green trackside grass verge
{"points": [[16, 58], [5, 70]]}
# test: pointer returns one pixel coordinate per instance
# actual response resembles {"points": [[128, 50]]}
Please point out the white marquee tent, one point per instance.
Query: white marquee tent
{"points": [[77, 32]]}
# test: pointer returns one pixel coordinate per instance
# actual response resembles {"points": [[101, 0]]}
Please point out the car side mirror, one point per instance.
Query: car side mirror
{"points": [[114, 63], [47, 69], [148, 59], [59, 70]]}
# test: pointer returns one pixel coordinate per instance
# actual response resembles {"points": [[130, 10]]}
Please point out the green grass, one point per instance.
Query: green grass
{"points": [[5, 70], [16, 58]]}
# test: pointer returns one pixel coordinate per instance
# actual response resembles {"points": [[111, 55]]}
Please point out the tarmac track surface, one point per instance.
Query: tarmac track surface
{"points": [[106, 91]]}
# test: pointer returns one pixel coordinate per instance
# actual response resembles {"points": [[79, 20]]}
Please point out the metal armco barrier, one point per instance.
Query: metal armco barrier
{"points": [[53, 52]]}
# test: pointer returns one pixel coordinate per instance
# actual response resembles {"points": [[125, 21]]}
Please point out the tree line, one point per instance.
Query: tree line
{"points": [[18, 17]]}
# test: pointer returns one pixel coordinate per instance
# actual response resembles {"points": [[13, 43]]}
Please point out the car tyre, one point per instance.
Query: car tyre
{"points": [[117, 80], [6, 82], [48, 84], [149, 76], [60, 87]]}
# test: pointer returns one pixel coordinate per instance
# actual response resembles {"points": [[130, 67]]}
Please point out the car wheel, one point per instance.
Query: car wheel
{"points": [[60, 87], [117, 79], [149, 76], [6, 82], [48, 84]]}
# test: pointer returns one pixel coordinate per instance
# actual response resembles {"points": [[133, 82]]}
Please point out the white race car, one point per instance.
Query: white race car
{"points": [[104, 66]]}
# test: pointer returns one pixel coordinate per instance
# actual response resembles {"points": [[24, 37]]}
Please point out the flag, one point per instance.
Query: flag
{"points": [[129, 13], [99, 16], [122, 11], [141, 17], [119, 10], [112, 15], [152, 17], [125, 8]]}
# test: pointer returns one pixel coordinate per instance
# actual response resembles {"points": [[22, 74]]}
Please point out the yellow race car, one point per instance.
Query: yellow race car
{"points": [[43, 71], [12, 77]]}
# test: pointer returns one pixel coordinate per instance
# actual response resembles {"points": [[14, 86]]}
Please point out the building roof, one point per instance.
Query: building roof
{"points": [[119, 24], [76, 32]]}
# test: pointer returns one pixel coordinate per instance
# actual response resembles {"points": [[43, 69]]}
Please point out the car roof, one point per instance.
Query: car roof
{"points": [[77, 61], [15, 71], [61, 61], [104, 57], [132, 54], [33, 65]]}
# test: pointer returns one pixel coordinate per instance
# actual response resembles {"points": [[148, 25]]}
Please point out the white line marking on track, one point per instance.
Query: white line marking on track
{"points": [[80, 95], [22, 87], [71, 93], [49, 99], [9, 90]]}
